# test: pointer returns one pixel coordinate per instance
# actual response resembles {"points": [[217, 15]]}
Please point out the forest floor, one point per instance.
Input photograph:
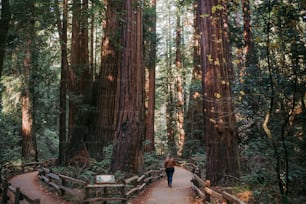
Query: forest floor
{"points": [[157, 193]]}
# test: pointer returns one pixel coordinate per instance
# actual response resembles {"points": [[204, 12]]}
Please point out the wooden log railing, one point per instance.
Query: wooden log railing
{"points": [[100, 192], [63, 184], [136, 184], [18, 194], [206, 193]]}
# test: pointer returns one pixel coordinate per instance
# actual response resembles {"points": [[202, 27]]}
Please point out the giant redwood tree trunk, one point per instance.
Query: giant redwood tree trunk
{"points": [[220, 125], [79, 84], [103, 126], [129, 110], [29, 147]]}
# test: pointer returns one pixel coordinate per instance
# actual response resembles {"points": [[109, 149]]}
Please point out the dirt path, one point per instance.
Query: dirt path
{"points": [[157, 193], [29, 184], [160, 193]]}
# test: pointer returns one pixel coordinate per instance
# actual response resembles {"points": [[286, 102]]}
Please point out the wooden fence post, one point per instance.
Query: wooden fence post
{"points": [[36, 201], [104, 194], [207, 195], [86, 194], [5, 197], [17, 195], [64, 183], [123, 195]]}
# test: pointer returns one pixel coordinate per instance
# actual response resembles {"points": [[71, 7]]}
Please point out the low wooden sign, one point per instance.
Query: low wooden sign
{"points": [[103, 179]]}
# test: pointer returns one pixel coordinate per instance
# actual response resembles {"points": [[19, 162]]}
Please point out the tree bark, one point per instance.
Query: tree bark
{"points": [[103, 125], [179, 86], [79, 85], [62, 29], [220, 124], [150, 80], [29, 149], [29, 145], [129, 110], [4, 27], [170, 105], [195, 141]]}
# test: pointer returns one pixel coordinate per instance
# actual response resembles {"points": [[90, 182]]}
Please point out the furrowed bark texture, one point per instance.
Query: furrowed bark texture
{"points": [[129, 109]]}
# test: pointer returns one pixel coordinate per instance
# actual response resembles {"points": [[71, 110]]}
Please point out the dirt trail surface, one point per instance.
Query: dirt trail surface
{"points": [[160, 193], [29, 184], [157, 193]]}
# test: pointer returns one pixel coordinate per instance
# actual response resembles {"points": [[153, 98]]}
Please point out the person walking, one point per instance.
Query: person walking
{"points": [[169, 164]]}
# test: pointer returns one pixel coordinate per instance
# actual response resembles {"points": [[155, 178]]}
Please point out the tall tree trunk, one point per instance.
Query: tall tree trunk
{"points": [[170, 105], [4, 27], [62, 29], [220, 125], [150, 82], [29, 145], [29, 148], [103, 126], [129, 111], [195, 140], [179, 86], [79, 87], [170, 118]]}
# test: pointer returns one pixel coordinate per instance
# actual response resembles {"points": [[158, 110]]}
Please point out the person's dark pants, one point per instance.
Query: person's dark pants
{"points": [[169, 172]]}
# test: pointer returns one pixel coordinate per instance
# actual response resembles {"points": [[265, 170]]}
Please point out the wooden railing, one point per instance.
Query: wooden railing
{"points": [[8, 190], [63, 184], [101, 192], [114, 191], [136, 184], [18, 194], [204, 190]]}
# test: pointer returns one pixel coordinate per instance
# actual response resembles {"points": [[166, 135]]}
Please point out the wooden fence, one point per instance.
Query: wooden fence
{"points": [[100, 192], [8, 190], [64, 184], [204, 190], [112, 191]]}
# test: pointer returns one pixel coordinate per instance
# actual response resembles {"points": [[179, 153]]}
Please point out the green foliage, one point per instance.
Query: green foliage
{"points": [[152, 161], [193, 147], [47, 142], [102, 167], [10, 139], [94, 168], [272, 84]]}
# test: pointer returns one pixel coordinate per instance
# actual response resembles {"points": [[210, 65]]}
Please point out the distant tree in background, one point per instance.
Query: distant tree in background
{"points": [[195, 141], [62, 26], [179, 81], [150, 43]]}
